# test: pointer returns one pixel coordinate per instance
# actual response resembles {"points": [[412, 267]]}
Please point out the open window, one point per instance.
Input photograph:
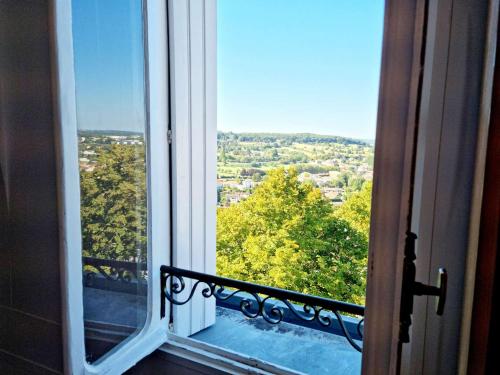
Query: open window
{"points": [[137, 80], [112, 76], [284, 309]]}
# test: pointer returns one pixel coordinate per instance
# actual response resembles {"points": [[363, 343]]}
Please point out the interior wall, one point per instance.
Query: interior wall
{"points": [[30, 309]]}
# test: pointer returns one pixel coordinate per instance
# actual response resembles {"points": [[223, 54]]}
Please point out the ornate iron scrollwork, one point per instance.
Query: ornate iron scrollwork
{"points": [[272, 304], [112, 270]]}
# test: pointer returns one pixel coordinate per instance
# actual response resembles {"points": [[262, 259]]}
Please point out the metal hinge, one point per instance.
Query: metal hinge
{"points": [[413, 288], [169, 136]]}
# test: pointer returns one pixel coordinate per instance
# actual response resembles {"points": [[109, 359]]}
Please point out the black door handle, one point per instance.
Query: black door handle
{"points": [[411, 288], [439, 291]]}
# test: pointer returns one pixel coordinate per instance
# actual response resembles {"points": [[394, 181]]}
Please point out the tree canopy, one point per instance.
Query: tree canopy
{"points": [[113, 205], [356, 209], [287, 235]]}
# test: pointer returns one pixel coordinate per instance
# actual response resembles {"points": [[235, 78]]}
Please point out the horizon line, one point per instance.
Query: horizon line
{"points": [[110, 131]]}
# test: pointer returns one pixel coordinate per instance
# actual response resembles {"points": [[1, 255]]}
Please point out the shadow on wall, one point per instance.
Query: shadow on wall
{"points": [[30, 299]]}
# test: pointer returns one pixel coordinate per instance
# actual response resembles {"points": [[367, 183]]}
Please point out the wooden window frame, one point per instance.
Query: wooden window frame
{"points": [[483, 292], [393, 168]]}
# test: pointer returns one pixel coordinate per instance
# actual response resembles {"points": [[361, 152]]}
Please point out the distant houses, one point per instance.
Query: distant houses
{"points": [[334, 195], [88, 156], [246, 184], [236, 191], [319, 179], [86, 164], [236, 197], [131, 140]]}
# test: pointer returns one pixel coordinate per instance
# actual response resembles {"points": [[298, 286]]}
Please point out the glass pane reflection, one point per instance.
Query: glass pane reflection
{"points": [[110, 95]]}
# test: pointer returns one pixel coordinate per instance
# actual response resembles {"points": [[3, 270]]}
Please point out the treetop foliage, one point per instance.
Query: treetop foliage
{"points": [[287, 235], [356, 209], [113, 205]]}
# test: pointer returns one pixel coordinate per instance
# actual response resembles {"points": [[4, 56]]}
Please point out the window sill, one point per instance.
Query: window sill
{"points": [[219, 359]]}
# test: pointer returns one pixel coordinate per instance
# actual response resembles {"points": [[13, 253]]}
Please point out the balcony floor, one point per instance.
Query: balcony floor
{"points": [[288, 345], [296, 347]]}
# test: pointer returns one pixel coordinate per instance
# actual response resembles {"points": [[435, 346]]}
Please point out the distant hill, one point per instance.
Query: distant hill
{"points": [[122, 133], [289, 138], [371, 142]]}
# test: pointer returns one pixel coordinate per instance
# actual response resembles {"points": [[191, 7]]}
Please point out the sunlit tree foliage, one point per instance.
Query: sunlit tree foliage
{"points": [[113, 205], [287, 235]]}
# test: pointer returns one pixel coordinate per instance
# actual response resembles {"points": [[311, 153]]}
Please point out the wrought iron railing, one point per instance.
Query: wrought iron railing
{"points": [[127, 276], [272, 304]]}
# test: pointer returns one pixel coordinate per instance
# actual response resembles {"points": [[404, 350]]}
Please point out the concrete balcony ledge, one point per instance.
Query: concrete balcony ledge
{"points": [[351, 323], [304, 347]]}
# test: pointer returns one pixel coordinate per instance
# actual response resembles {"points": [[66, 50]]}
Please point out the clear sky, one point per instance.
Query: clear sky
{"points": [[109, 64], [283, 65], [299, 66]]}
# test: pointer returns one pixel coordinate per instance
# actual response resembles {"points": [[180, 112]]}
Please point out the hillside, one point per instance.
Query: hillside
{"points": [[289, 138], [336, 164]]}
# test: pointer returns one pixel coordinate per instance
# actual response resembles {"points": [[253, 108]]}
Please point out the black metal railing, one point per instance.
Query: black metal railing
{"points": [[272, 304], [125, 276]]}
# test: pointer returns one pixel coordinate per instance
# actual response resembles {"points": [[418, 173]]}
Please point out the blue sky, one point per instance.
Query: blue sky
{"points": [[283, 65], [109, 64], [299, 65]]}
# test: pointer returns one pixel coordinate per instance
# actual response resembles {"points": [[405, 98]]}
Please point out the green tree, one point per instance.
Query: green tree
{"points": [[286, 235], [356, 209], [256, 177], [356, 183], [223, 157], [113, 205]]}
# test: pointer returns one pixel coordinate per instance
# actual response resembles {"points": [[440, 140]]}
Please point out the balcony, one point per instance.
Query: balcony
{"points": [[270, 324]]}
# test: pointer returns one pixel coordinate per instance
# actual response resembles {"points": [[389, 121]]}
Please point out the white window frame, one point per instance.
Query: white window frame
{"points": [[154, 332]]}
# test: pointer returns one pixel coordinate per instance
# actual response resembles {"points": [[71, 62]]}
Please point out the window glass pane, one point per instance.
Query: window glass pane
{"points": [[110, 95]]}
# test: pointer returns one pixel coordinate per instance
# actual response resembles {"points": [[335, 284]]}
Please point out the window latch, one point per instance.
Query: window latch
{"points": [[411, 288]]}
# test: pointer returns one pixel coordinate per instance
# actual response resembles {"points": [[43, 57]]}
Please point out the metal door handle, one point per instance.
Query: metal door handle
{"points": [[412, 288], [439, 291]]}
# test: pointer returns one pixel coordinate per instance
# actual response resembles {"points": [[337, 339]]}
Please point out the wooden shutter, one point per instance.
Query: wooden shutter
{"points": [[194, 150]]}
